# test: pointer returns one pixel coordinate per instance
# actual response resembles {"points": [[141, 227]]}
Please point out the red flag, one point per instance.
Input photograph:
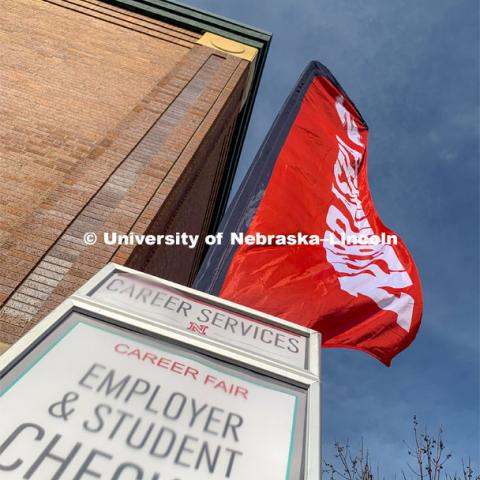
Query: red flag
{"points": [[357, 292]]}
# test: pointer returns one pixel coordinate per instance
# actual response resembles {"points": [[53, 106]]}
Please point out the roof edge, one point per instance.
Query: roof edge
{"points": [[195, 19]]}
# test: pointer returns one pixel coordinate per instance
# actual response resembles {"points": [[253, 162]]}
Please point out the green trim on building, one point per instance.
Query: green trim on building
{"points": [[200, 21]]}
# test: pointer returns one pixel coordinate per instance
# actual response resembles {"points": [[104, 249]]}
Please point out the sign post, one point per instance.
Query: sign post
{"points": [[134, 377]]}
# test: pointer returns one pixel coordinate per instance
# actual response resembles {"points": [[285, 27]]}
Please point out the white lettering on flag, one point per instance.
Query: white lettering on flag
{"points": [[359, 266]]}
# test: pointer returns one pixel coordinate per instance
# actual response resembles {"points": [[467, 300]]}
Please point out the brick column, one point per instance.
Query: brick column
{"points": [[156, 172]]}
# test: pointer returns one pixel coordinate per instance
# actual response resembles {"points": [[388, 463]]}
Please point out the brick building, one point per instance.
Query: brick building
{"points": [[122, 116]]}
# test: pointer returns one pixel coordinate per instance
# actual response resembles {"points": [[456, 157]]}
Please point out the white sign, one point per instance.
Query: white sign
{"points": [[101, 404], [171, 306]]}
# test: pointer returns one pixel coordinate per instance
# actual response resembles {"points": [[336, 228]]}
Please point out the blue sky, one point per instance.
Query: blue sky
{"points": [[412, 68]]}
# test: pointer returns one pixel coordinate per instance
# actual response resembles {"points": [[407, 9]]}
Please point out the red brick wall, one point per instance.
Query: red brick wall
{"points": [[67, 78], [127, 131]]}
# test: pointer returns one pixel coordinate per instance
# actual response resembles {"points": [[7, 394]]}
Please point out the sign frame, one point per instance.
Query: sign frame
{"points": [[307, 379]]}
